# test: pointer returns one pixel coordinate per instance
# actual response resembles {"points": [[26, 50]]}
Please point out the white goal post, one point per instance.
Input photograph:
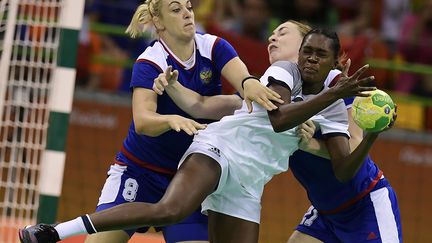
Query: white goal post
{"points": [[38, 43]]}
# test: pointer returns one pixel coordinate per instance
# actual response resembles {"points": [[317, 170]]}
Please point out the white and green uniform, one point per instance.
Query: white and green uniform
{"points": [[250, 153]]}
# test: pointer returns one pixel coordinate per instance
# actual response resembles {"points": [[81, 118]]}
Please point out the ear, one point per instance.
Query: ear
{"points": [[157, 23]]}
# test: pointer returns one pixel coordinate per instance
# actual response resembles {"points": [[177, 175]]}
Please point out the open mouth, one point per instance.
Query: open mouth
{"points": [[272, 47]]}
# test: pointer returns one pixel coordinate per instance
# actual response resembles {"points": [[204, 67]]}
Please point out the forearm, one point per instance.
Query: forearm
{"points": [[207, 107], [347, 167], [288, 116], [152, 124], [234, 72]]}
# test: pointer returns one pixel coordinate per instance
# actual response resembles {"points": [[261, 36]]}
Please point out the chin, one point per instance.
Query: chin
{"points": [[273, 59]]}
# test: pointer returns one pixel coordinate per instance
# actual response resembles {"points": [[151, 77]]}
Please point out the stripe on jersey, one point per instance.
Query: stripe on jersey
{"points": [[156, 55], [384, 214], [151, 63], [205, 44]]}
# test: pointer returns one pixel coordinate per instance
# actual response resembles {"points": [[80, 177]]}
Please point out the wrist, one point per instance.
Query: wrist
{"points": [[333, 94], [174, 86], [248, 78]]}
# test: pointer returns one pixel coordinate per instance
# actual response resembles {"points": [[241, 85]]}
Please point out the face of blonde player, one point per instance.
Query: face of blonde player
{"points": [[176, 20], [284, 43]]}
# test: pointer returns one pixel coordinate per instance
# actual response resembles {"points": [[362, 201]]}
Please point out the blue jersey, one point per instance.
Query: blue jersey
{"points": [[316, 175], [203, 75]]}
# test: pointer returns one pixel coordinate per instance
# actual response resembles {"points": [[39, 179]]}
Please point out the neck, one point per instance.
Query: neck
{"points": [[312, 88], [182, 49]]}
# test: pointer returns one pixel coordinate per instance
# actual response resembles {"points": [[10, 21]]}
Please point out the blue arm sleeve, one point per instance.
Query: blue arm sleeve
{"points": [[144, 74], [222, 53]]}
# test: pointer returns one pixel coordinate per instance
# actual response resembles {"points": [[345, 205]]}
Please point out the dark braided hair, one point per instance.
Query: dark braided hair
{"points": [[329, 34]]}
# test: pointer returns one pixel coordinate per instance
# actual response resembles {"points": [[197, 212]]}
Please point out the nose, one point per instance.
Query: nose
{"points": [[312, 58], [272, 38], [188, 13]]}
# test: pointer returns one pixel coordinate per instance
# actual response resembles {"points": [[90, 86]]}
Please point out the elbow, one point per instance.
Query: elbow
{"points": [[343, 178], [142, 129], [279, 126], [276, 125], [341, 175], [279, 122]]}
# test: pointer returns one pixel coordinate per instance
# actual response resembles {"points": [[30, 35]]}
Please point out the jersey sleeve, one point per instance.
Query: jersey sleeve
{"points": [[143, 74], [222, 53], [333, 120], [332, 79], [282, 72], [348, 102]]}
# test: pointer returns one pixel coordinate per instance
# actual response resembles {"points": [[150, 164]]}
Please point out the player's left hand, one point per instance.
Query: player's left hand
{"points": [[255, 91], [165, 79], [392, 122]]}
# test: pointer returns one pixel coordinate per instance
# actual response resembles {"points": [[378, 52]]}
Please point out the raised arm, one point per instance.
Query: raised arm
{"points": [[196, 105], [288, 116], [235, 71], [147, 121]]}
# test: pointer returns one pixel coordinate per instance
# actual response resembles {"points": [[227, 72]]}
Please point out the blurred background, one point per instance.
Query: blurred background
{"points": [[393, 36]]}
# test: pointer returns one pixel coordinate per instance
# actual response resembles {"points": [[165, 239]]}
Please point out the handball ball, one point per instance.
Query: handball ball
{"points": [[373, 113]]}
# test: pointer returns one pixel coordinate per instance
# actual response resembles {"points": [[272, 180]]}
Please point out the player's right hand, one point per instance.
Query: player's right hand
{"points": [[255, 91], [179, 123], [165, 79]]}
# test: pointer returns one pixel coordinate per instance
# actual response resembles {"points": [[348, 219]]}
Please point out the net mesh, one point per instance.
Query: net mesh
{"points": [[29, 65]]}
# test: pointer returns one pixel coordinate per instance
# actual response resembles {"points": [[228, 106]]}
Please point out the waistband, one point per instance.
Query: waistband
{"points": [[144, 164], [361, 195]]}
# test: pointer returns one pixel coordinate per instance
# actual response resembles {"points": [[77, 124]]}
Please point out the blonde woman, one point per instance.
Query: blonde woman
{"points": [[160, 131]]}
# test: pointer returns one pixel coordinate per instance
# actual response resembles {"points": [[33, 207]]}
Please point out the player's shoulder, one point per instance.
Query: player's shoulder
{"points": [[205, 38], [286, 66], [206, 43], [155, 54]]}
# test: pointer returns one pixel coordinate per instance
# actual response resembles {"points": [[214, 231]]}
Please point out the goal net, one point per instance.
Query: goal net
{"points": [[30, 36]]}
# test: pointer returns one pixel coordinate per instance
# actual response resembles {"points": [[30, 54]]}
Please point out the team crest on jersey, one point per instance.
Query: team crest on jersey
{"points": [[206, 75]]}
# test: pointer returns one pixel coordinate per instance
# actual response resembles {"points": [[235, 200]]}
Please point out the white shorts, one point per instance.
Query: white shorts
{"points": [[230, 197]]}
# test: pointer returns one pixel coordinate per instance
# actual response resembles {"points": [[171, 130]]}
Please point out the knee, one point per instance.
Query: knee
{"points": [[172, 214]]}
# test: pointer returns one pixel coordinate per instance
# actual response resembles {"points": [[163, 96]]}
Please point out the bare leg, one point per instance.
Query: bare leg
{"points": [[299, 237], [194, 181], [118, 236], [228, 229]]}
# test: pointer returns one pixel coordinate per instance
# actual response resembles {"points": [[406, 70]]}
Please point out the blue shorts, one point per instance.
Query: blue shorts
{"points": [[136, 184], [375, 218]]}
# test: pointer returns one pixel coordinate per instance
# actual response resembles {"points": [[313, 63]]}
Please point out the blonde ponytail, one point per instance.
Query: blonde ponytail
{"points": [[142, 18]]}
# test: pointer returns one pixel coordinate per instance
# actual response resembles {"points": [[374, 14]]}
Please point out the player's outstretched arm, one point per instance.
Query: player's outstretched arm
{"points": [[235, 72], [147, 121], [288, 116], [196, 105]]}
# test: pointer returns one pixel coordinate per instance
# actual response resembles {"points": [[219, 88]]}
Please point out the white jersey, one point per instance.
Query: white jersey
{"points": [[250, 152], [248, 140]]}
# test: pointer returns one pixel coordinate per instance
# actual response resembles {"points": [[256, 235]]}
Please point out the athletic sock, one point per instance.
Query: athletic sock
{"points": [[78, 226]]}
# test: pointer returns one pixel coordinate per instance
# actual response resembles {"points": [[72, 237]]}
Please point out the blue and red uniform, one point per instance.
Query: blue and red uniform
{"points": [[364, 209], [145, 165]]}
